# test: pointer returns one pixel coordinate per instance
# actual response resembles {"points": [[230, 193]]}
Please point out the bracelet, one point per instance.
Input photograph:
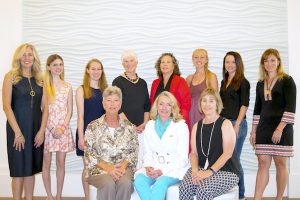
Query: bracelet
{"points": [[16, 137], [212, 170], [63, 126], [279, 130]]}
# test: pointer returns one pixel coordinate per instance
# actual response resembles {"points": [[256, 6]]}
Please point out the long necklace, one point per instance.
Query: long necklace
{"points": [[269, 83], [31, 93], [206, 155], [130, 79], [268, 86]]}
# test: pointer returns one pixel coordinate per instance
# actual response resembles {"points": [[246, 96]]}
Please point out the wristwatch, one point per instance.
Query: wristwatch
{"points": [[213, 171]]}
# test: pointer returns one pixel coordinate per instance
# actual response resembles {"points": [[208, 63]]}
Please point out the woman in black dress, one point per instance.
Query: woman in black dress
{"points": [[273, 119], [23, 104], [89, 107], [136, 103]]}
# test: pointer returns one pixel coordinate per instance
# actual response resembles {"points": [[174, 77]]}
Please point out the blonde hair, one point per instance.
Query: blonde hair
{"points": [[16, 70], [102, 83], [262, 71], [215, 95], [112, 90], [50, 89], [208, 73], [175, 115]]}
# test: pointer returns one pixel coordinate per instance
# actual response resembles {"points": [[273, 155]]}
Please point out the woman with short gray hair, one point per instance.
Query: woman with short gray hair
{"points": [[111, 148]]}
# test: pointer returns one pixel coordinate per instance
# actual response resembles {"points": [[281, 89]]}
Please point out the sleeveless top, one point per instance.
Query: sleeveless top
{"points": [[196, 91], [58, 110], [28, 114], [93, 109], [216, 146]]}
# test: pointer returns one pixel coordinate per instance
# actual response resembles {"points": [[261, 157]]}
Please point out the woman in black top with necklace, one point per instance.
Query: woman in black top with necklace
{"points": [[235, 92], [135, 95], [136, 103], [214, 164]]}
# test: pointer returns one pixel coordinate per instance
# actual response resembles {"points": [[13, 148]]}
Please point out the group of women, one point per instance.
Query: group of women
{"points": [[118, 126]]}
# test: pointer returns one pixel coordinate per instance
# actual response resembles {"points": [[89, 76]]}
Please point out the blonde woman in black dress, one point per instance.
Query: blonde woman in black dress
{"points": [[24, 106]]}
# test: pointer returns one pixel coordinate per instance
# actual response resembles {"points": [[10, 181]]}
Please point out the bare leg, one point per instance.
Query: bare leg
{"points": [[281, 175], [85, 184], [17, 187], [60, 173], [46, 175], [262, 177], [29, 187]]}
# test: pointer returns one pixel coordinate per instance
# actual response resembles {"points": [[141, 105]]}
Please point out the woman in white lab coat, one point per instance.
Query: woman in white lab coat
{"points": [[166, 143]]}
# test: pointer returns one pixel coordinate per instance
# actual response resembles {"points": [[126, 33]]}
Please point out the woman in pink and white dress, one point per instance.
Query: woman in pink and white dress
{"points": [[58, 135]]}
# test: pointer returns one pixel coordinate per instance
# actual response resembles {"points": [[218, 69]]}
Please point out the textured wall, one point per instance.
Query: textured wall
{"points": [[81, 30]]}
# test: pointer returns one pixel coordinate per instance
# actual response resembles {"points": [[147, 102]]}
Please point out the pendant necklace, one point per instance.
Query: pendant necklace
{"points": [[268, 87], [206, 156], [31, 93]]}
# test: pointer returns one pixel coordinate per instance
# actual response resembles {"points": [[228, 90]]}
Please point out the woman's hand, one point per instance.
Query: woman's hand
{"points": [[116, 171], [81, 143], [19, 142], [39, 138], [236, 128], [58, 132], [200, 175], [140, 128], [276, 136], [154, 174], [149, 171], [252, 138]]}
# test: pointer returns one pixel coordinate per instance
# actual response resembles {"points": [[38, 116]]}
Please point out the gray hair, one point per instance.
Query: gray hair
{"points": [[129, 53], [111, 90]]}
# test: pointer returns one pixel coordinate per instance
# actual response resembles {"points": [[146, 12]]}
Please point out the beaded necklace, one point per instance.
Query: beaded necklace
{"points": [[130, 79]]}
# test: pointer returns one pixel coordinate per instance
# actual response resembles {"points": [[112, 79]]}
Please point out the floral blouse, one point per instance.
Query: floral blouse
{"points": [[101, 145]]}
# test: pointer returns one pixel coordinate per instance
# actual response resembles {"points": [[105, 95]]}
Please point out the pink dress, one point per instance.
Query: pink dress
{"points": [[57, 114], [196, 91]]}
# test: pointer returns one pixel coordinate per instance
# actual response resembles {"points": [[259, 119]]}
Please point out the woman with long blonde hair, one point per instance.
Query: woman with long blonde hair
{"points": [[200, 80], [24, 103], [58, 135]]}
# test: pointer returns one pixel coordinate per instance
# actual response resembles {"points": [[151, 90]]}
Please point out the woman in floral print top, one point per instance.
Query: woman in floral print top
{"points": [[111, 148]]}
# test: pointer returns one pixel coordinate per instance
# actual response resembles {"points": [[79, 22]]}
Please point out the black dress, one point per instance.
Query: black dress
{"points": [[27, 111], [269, 111], [93, 109]]}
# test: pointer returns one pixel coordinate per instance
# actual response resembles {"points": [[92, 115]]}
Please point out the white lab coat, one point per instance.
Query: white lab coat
{"points": [[170, 153]]}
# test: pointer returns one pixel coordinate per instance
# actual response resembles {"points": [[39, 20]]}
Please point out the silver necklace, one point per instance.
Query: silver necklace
{"points": [[206, 162]]}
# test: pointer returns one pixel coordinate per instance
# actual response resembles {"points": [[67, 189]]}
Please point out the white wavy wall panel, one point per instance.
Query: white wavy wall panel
{"points": [[81, 30]]}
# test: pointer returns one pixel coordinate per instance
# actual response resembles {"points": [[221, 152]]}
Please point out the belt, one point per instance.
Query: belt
{"points": [[163, 158]]}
